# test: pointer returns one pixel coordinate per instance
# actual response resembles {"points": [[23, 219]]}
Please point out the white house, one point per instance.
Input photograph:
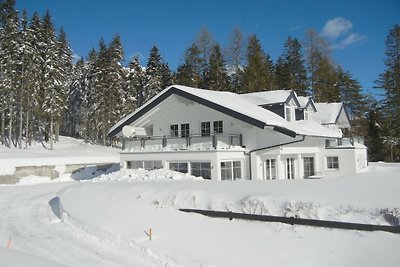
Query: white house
{"points": [[227, 136]]}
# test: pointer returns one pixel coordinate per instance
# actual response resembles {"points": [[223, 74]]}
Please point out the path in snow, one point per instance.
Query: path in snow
{"points": [[27, 218]]}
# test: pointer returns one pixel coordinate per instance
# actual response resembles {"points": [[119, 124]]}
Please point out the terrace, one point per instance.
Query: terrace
{"points": [[191, 142]]}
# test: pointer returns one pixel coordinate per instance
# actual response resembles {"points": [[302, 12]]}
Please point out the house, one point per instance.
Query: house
{"points": [[226, 136]]}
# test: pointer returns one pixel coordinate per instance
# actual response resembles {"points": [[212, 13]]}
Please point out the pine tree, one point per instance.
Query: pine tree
{"points": [[323, 77], [205, 43], [216, 76], [53, 88], [189, 73], [389, 81], [290, 72], [9, 65], [258, 74], [235, 57], [153, 74], [134, 86]]}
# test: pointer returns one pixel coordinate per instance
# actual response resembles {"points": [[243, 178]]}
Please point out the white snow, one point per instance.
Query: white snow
{"points": [[67, 151], [102, 222], [267, 97], [327, 112]]}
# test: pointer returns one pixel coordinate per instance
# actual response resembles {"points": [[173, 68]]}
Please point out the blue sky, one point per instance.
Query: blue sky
{"points": [[355, 29]]}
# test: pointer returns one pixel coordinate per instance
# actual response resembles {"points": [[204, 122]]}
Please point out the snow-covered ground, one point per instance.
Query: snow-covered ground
{"points": [[102, 222], [67, 151]]}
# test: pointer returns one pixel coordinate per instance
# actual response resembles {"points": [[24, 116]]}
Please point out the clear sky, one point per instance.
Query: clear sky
{"points": [[355, 29]]}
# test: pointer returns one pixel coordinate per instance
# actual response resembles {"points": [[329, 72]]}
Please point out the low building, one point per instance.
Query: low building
{"points": [[226, 136]]}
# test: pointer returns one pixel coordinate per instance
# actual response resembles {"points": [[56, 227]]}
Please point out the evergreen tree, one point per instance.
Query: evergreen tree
{"points": [[323, 76], [258, 74], [204, 43], [235, 57], [290, 72], [134, 94], [9, 65], [189, 73], [153, 74], [216, 77], [389, 81], [54, 93]]}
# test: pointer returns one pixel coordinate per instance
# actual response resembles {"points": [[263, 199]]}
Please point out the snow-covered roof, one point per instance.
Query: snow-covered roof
{"points": [[226, 102], [270, 97], [306, 101], [332, 113]]}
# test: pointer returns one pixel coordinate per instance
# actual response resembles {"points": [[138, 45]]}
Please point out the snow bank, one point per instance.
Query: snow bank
{"points": [[127, 175], [144, 200], [13, 258]]}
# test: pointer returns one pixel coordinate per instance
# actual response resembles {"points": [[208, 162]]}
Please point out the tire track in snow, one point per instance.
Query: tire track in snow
{"points": [[27, 218]]}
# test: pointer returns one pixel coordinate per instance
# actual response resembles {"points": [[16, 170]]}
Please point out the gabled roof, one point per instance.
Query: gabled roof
{"points": [[332, 113], [306, 102], [271, 97], [231, 104]]}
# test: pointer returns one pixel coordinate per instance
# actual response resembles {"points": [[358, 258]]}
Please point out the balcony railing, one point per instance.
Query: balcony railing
{"points": [[192, 142], [344, 142]]}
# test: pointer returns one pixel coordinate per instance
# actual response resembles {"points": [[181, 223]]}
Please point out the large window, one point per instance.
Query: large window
{"points": [[308, 166], [290, 168], [332, 162], [179, 166], [205, 128], [174, 130], [270, 169], [185, 130], [231, 170], [147, 164], [201, 169], [218, 127]]}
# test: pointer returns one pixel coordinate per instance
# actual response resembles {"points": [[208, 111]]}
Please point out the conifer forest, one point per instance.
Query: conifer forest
{"points": [[45, 92]]}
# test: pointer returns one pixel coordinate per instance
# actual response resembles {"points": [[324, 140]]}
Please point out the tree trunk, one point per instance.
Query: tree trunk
{"points": [[51, 131], [27, 132], [57, 132], [3, 126], [10, 125], [20, 127]]}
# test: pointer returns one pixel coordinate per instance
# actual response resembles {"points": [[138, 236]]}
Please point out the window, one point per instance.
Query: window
{"points": [[147, 165], [290, 168], [226, 170], [185, 130], [174, 130], [179, 166], [270, 169], [205, 128], [288, 114], [201, 169], [332, 162], [308, 166], [218, 127], [231, 170]]}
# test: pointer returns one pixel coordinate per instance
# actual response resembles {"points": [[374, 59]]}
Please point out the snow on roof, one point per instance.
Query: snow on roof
{"points": [[268, 97], [234, 104], [303, 100], [313, 128], [328, 112]]}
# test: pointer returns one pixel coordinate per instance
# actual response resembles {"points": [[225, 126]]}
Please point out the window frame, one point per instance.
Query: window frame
{"points": [[270, 169], [218, 127], [231, 170], [205, 131], [290, 168], [185, 129], [332, 163], [174, 132], [308, 166]]}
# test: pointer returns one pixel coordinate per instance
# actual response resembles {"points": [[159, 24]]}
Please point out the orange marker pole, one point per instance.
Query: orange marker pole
{"points": [[9, 243]]}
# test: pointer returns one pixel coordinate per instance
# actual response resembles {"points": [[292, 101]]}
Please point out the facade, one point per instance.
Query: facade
{"points": [[227, 136]]}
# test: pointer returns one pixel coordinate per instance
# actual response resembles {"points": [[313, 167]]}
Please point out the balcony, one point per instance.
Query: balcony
{"points": [[344, 142], [192, 142]]}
